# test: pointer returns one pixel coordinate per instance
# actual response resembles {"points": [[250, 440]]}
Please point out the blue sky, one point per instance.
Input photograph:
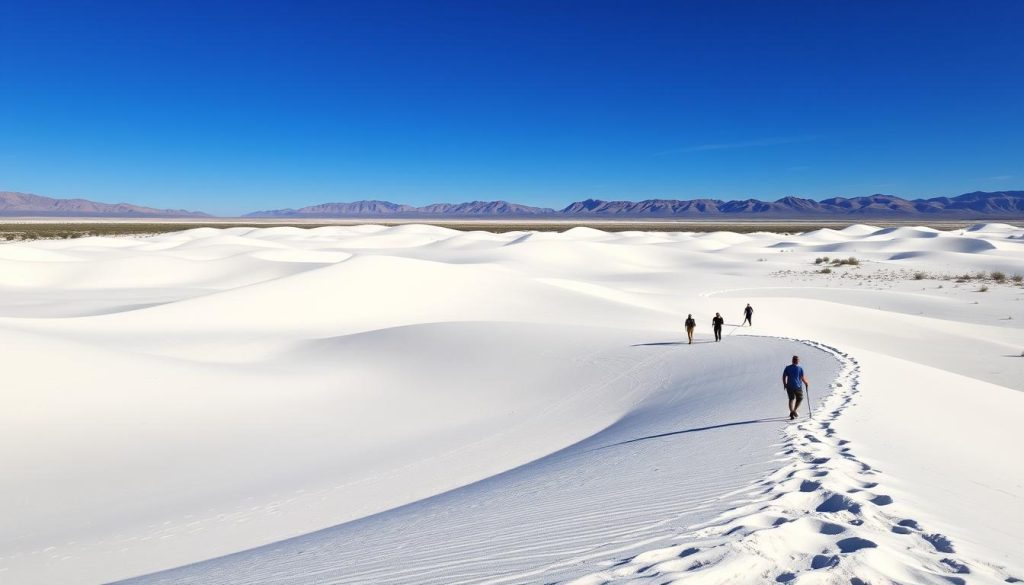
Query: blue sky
{"points": [[232, 107]]}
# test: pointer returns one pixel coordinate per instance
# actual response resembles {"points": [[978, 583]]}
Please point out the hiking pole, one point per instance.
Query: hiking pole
{"points": [[810, 412]]}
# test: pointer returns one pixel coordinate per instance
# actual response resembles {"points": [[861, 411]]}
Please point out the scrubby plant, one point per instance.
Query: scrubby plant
{"points": [[819, 260], [998, 276], [851, 261], [920, 275], [984, 288], [826, 270], [1018, 278]]}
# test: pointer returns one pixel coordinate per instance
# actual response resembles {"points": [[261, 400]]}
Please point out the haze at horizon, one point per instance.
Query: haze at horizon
{"points": [[230, 108]]}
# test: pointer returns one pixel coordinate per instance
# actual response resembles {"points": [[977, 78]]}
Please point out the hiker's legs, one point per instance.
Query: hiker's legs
{"points": [[795, 398], [718, 334], [689, 334]]}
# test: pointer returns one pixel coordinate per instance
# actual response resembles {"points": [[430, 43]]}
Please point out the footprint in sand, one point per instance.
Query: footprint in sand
{"points": [[809, 486], [956, 566], [854, 544], [838, 503], [831, 529], [881, 500], [824, 561], [940, 542]]}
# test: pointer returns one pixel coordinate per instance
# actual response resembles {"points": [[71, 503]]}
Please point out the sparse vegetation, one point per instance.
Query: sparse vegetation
{"points": [[851, 261], [1017, 278], [919, 275], [819, 260], [998, 277], [984, 288], [826, 270]]}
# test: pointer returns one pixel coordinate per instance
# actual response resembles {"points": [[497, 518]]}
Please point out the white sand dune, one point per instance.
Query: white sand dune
{"points": [[363, 404]]}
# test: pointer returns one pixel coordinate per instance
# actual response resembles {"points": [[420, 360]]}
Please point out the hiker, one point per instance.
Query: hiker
{"points": [[748, 314], [717, 323], [691, 324], [794, 381]]}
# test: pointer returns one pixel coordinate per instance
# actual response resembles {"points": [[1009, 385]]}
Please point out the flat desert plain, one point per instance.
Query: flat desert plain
{"points": [[416, 404]]}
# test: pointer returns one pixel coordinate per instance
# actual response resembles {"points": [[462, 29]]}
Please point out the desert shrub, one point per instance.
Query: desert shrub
{"points": [[980, 275], [984, 288], [1017, 278], [920, 275], [851, 261], [998, 276], [826, 270], [819, 260]]}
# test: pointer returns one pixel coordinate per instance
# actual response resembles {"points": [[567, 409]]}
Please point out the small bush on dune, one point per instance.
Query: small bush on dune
{"points": [[1017, 278], [851, 261], [984, 288], [826, 270], [920, 275], [998, 276], [819, 260]]}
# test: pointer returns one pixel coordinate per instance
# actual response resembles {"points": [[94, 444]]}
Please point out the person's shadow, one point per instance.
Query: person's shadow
{"points": [[699, 429], [671, 343]]}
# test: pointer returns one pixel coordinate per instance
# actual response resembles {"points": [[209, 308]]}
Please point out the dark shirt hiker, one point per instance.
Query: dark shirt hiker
{"points": [[748, 315], [794, 381], [717, 323], [691, 324]]}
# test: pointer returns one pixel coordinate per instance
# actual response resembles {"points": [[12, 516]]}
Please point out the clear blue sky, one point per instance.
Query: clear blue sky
{"points": [[230, 107]]}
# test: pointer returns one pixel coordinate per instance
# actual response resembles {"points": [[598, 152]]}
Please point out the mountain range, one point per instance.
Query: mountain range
{"points": [[979, 204], [976, 205], [26, 204]]}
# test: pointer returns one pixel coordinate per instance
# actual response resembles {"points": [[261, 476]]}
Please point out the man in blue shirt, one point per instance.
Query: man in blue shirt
{"points": [[794, 381]]}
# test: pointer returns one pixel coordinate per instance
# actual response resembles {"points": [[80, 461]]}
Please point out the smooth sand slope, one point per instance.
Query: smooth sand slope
{"points": [[360, 404]]}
